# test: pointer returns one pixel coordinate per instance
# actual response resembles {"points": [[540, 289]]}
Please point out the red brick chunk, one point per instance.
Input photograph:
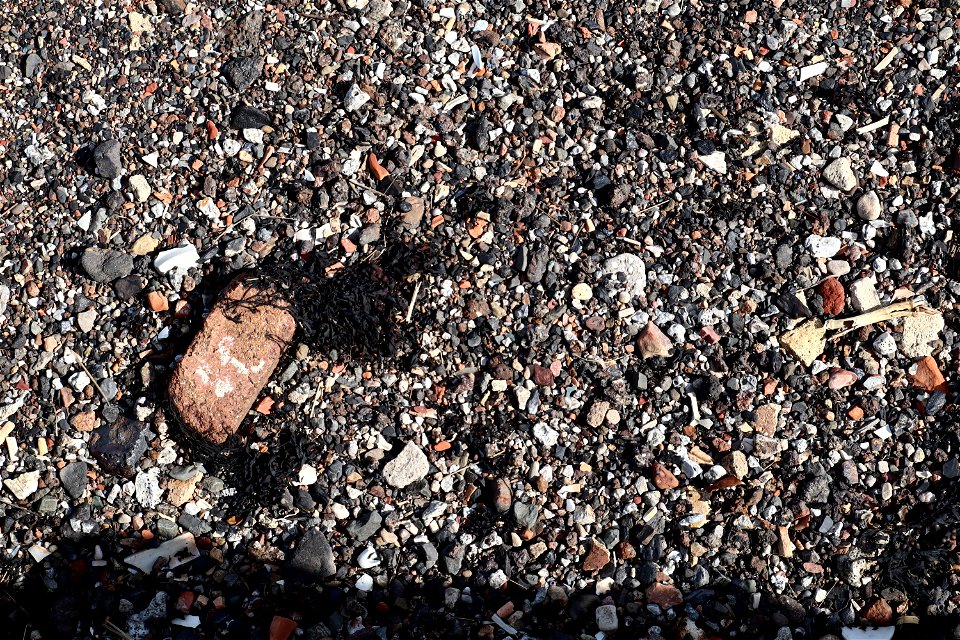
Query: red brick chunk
{"points": [[231, 359]]}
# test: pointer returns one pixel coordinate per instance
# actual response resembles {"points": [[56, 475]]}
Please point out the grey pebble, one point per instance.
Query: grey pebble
{"points": [[365, 525], [313, 556], [73, 477], [106, 156], [30, 65], [106, 265]]}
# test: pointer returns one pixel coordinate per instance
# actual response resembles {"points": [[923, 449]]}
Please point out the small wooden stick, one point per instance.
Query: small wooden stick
{"points": [[76, 357], [635, 243], [360, 185], [890, 312]]}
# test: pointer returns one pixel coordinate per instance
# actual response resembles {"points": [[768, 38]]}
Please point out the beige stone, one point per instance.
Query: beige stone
{"points": [[806, 341]]}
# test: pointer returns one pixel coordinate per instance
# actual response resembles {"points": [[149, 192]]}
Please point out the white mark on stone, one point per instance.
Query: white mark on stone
{"points": [[223, 348], [222, 388], [203, 374]]}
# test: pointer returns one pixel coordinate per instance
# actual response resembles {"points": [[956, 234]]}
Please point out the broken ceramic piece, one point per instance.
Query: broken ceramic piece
{"points": [[176, 551]]}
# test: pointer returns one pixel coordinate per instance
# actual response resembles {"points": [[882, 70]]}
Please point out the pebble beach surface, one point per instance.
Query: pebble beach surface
{"points": [[389, 319]]}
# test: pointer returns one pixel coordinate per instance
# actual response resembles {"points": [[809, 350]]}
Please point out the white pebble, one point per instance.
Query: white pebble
{"points": [[823, 246], [368, 558], [364, 583], [868, 206]]}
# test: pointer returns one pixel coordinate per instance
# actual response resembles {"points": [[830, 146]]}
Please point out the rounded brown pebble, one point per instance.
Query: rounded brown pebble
{"points": [[597, 557], [157, 302], [833, 296], [664, 595], [542, 376], [662, 478], [878, 613]]}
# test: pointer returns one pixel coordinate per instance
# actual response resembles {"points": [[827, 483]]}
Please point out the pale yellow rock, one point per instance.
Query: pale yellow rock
{"points": [[806, 342], [140, 188], [582, 292], [24, 485], [785, 546], [139, 22], [920, 333], [698, 506], [144, 244], [781, 135], [180, 492], [754, 148]]}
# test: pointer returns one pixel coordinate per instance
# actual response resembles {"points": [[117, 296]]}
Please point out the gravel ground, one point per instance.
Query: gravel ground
{"points": [[632, 319]]}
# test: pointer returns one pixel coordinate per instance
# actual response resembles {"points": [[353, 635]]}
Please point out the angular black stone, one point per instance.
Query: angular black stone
{"points": [[118, 447], [245, 117], [107, 159], [313, 557], [243, 71], [365, 525], [73, 477]]}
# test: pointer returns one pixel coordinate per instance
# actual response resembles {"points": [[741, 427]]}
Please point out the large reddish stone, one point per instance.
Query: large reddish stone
{"points": [[230, 360], [878, 612], [834, 297], [662, 478], [597, 557], [928, 376], [665, 596]]}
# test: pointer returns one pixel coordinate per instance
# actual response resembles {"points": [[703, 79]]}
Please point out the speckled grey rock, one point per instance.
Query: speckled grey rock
{"points": [[410, 465], [840, 174], [106, 156], [313, 557], [106, 265], [73, 477], [868, 206]]}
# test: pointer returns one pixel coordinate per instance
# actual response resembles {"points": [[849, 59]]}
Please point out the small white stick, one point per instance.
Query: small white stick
{"points": [[413, 301]]}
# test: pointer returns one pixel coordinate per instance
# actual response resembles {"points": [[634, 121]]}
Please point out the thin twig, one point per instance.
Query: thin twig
{"points": [[653, 206], [16, 506], [714, 111], [76, 356], [360, 185], [889, 312], [635, 243], [114, 629]]}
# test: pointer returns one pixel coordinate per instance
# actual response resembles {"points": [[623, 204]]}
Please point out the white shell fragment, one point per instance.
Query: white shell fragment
{"points": [[174, 552], [180, 259]]}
